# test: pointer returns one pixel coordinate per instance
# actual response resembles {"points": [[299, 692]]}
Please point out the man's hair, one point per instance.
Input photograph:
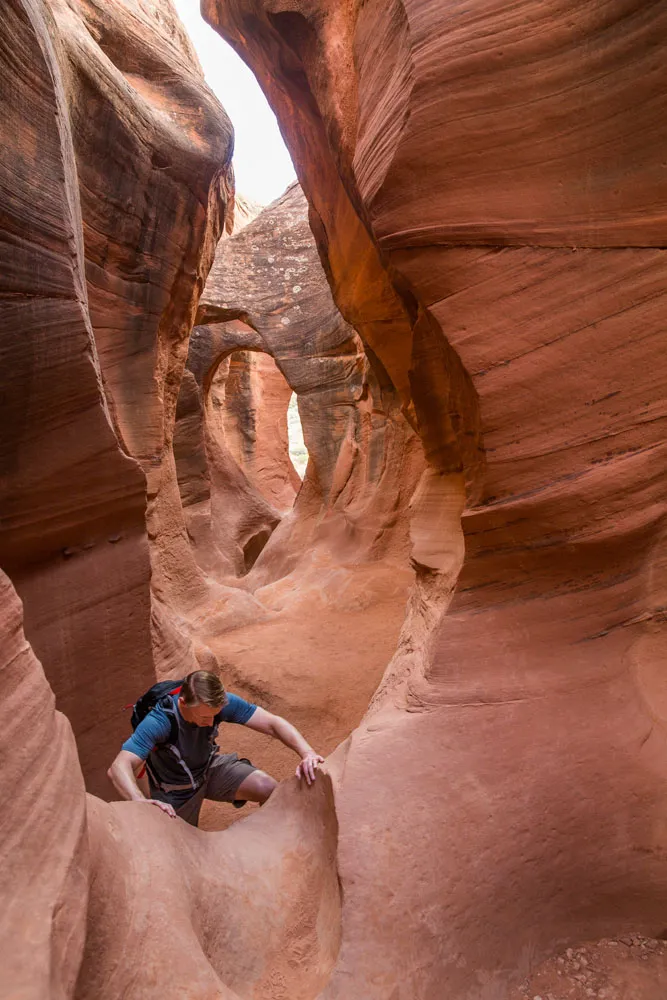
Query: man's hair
{"points": [[201, 687]]}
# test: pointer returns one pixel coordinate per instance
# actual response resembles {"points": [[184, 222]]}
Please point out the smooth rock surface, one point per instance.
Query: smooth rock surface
{"points": [[114, 174], [109, 900], [486, 187], [267, 293], [341, 555], [45, 870]]}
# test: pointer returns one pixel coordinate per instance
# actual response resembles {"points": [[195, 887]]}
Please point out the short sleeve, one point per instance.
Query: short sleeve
{"points": [[154, 729], [236, 710]]}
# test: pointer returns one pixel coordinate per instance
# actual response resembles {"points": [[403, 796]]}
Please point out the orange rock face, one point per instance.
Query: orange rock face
{"points": [[116, 899], [267, 297], [269, 326], [44, 845], [111, 213], [487, 191], [481, 383], [252, 415]]}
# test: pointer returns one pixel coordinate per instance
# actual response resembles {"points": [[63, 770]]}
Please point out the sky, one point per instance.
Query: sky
{"points": [[262, 165]]}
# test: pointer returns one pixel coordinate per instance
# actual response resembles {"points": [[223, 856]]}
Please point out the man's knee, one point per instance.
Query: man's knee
{"points": [[257, 787], [265, 785]]}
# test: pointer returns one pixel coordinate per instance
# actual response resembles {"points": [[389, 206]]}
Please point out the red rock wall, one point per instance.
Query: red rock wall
{"points": [[222, 508], [251, 398], [270, 276], [342, 553], [116, 899], [44, 871], [486, 189], [73, 537], [467, 173], [104, 248], [110, 220]]}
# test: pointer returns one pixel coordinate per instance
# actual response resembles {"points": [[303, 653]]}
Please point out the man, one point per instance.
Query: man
{"points": [[176, 741]]}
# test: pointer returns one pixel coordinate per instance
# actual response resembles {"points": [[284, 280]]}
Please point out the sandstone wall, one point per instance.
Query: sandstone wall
{"points": [[291, 576], [43, 843], [267, 293], [251, 398], [117, 899], [113, 175], [486, 188]]}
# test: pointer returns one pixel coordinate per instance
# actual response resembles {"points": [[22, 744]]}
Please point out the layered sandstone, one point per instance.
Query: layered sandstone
{"points": [[114, 172], [267, 295], [44, 875], [501, 290], [117, 899], [487, 189], [267, 327]]}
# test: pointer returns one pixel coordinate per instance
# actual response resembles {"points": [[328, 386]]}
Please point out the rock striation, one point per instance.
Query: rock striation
{"points": [[89, 888], [267, 327], [44, 843], [480, 376], [114, 175], [267, 298], [487, 193]]}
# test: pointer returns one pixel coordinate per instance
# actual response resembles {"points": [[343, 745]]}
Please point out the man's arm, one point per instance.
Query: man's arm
{"points": [[154, 729], [122, 775], [274, 725]]}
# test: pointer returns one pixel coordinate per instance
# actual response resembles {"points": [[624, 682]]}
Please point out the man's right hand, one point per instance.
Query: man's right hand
{"points": [[164, 806]]}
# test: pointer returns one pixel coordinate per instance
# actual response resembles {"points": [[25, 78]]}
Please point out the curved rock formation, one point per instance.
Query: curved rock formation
{"points": [[267, 293], [109, 900], [114, 173], [468, 171], [501, 290], [44, 876], [344, 548]]}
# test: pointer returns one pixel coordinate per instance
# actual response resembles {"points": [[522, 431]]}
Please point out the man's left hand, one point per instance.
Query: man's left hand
{"points": [[308, 766]]}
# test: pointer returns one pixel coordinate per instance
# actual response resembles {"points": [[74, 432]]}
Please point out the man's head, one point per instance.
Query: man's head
{"points": [[201, 698]]}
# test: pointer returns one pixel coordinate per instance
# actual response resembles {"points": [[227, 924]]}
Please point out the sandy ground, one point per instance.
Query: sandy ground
{"points": [[628, 968]]}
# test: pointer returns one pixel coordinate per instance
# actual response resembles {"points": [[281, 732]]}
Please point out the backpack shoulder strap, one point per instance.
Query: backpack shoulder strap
{"points": [[167, 705]]}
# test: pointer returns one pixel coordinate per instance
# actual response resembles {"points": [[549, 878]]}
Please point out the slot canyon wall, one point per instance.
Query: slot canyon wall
{"points": [[116, 184], [293, 568], [486, 185], [115, 177], [475, 345]]}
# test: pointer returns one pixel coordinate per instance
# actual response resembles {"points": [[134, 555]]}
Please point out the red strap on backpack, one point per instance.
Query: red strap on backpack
{"points": [[176, 690]]}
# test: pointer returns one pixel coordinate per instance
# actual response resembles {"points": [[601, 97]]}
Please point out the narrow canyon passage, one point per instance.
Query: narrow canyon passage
{"points": [[459, 599], [315, 572]]}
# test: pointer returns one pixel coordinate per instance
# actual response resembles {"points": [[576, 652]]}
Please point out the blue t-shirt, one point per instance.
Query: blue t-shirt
{"points": [[156, 727], [177, 769]]}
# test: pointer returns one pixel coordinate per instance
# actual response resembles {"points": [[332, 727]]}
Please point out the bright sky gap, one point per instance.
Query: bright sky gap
{"points": [[262, 165]]}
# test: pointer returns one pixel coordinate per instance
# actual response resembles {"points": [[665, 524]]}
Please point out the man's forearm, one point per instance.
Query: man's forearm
{"points": [[124, 781], [291, 737]]}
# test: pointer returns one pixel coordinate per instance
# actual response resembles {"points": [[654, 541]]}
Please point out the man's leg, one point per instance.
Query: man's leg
{"points": [[234, 779], [256, 787], [190, 810]]}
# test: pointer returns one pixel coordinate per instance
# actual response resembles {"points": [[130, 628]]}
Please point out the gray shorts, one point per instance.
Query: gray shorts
{"points": [[226, 773]]}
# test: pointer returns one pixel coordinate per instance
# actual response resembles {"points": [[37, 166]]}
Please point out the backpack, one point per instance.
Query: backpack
{"points": [[159, 694]]}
